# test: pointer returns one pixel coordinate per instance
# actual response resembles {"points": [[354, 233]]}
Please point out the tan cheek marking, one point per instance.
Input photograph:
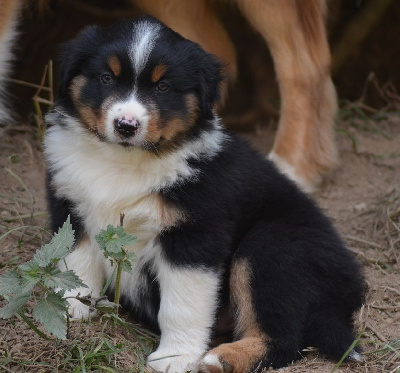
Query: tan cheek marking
{"points": [[153, 126], [86, 113], [177, 127], [169, 134], [158, 73], [115, 65], [173, 129], [94, 121], [76, 86]]}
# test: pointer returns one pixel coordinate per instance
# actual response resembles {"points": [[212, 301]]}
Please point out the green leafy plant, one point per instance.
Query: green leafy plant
{"points": [[112, 241], [18, 285]]}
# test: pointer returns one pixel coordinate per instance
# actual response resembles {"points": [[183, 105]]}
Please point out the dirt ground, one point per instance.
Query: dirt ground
{"points": [[362, 197]]}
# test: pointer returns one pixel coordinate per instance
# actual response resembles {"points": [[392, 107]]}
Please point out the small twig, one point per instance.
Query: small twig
{"points": [[393, 289], [26, 216], [42, 101], [6, 369], [27, 84], [50, 82], [385, 307], [361, 240], [378, 334], [41, 85], [395, 369]]}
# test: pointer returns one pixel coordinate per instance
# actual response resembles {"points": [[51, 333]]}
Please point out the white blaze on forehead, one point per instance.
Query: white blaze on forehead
{"points": [[144, 38]]}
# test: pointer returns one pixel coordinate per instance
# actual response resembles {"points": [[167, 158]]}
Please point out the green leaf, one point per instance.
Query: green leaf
{"points": [[27, 284], [126, 238], [10, 282], [61, 245], [51, 313], [113, 240], [14, 305], [126, 265], [64, 280], [30, 267]]}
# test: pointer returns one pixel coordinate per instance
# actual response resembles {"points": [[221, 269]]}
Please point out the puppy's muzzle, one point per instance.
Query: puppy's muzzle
{"points": [[126, 126]]}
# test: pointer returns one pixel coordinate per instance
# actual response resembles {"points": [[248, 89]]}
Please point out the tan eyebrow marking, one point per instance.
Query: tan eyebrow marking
{"points": [[115, 65], [158, 72]]}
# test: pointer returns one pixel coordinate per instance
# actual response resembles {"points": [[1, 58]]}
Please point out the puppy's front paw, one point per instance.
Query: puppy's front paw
{"points": [[76, 309], [167, 362]]}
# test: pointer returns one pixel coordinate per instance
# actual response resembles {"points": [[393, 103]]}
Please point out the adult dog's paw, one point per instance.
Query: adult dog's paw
{"points": [[167, 362]]}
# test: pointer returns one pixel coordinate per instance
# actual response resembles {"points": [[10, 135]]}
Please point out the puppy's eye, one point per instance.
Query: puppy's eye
{"points": [[106, 79], [162, 86]]}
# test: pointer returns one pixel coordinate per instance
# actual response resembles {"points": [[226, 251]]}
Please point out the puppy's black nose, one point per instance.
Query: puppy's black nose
{"points": [[126, 125]]}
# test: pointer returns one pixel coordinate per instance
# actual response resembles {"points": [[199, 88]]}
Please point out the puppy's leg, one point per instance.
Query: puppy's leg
{"points": [[88, 264], [8, 22], [250, 349], [186, 316], [304, 147]]}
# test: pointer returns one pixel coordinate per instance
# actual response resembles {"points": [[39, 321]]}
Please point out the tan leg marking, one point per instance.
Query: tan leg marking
{"points": [[93, 120], [239, 356]]}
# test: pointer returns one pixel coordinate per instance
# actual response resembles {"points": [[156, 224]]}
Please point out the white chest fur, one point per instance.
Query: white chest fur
{"points": [[103, 180]]}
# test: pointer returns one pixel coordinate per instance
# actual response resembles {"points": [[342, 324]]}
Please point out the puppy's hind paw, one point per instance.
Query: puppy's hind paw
{"points": [[211, 363], [355, 356]]}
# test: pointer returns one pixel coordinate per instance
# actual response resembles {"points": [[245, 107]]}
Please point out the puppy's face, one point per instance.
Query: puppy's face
{"points": [[138, 84]]}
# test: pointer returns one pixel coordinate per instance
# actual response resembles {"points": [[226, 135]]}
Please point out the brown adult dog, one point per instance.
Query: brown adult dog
{"points": [[304, 147]]}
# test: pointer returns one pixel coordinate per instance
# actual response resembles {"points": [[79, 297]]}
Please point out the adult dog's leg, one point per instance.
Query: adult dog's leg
{"points": [[304, 147], [8, 22]]}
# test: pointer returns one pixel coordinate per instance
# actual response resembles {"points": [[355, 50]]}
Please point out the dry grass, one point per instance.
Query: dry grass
{"points": [[363, 198]]}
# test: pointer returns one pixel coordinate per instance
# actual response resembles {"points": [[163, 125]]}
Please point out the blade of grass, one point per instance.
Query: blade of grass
{"points": [[22, 317], [108, 283], [26, 216], [22, 227], [13, 174], [354, 344]]}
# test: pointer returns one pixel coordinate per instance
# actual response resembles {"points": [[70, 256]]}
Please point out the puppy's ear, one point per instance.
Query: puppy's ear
{"points": [[210, 79], [72, 56]]}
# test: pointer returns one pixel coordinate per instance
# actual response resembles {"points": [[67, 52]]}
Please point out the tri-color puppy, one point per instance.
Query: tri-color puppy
{"points": [[226, 244]]}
